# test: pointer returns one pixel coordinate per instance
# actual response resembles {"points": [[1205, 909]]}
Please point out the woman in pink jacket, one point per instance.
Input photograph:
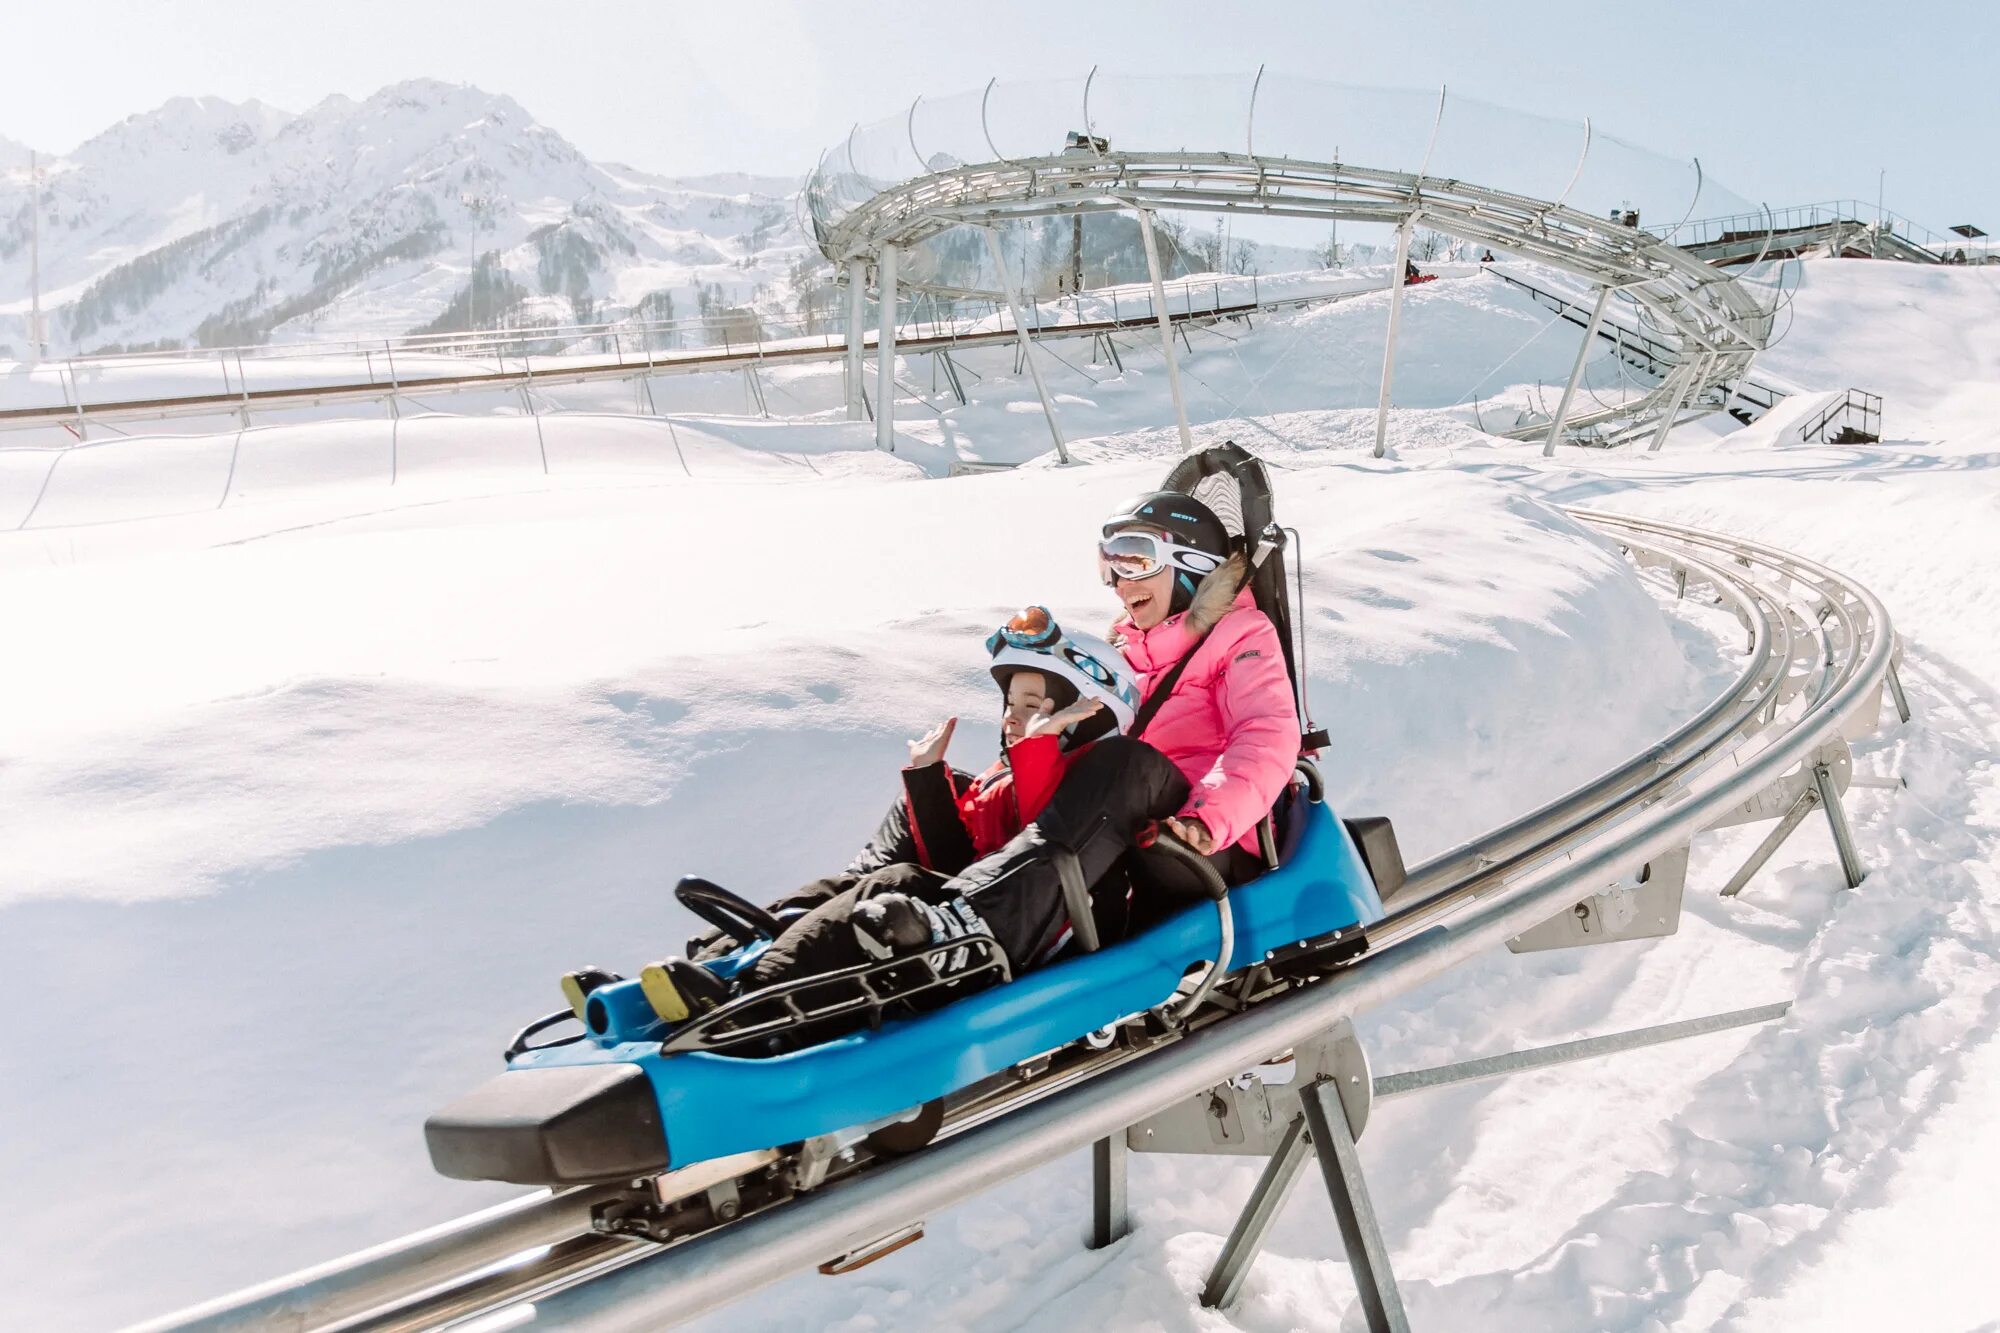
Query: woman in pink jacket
{"points": [[1209, 762], [1230, 723]]}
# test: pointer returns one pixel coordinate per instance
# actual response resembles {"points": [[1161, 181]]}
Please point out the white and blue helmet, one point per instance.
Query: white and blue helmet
{"points": [[1076, 666]]}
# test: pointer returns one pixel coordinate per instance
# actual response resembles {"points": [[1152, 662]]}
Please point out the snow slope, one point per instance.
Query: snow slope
{"points": [[321, 787], [384, 775]]}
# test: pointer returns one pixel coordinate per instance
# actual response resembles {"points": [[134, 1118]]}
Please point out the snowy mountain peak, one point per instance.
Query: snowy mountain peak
{"points": [[425, 206], [184, 125], [14, 155]]}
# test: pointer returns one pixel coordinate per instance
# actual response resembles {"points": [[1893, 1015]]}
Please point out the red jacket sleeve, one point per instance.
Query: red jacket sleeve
{"points": [[931, 800], [1039, 764]]}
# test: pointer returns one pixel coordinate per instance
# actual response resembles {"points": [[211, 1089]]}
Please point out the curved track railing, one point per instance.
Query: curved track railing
{"points": [[1312, 149], [1819, 652]]}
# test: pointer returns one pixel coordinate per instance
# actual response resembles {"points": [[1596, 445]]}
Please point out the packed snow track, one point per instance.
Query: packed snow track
{"points": [[1821, 654]]}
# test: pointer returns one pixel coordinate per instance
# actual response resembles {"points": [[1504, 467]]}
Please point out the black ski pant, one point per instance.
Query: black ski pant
{"points": [[823, 939], [1109, 795], [891, 852]]}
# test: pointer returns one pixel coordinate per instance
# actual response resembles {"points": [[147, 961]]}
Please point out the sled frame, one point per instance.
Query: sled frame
{"points": [[873, 989]]}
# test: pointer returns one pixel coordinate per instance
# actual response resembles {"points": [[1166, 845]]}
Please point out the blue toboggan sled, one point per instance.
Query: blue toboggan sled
{"points": [[632, 1097]]}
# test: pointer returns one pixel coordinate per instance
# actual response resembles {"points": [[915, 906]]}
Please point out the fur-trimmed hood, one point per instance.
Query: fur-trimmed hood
{"points": [[1216, 593]]}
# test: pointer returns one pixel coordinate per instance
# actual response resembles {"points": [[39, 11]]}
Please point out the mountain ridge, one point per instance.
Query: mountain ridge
{"points": [[207, 222]]}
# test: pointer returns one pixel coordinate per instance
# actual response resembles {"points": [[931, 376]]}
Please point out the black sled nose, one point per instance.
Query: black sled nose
{"points": [[571, 1125]]}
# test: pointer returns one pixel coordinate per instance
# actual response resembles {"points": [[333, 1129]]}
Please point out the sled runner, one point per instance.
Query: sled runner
{"points": [[630, 1096]]}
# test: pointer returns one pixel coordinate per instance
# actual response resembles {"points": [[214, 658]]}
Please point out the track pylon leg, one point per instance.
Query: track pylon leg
{"points": [[1836, 818], [1772, 841], [1340, 1165], [1109, 1218], [1896, 693], [1281, 1172]]}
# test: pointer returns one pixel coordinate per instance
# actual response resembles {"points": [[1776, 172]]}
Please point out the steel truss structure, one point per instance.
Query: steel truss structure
{"points": [[1715, 324], [1605, 863]]}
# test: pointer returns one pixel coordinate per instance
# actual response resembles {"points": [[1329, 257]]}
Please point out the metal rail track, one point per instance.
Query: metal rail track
{"points": [[1716, 322], [1819, 652], [528, 375]]}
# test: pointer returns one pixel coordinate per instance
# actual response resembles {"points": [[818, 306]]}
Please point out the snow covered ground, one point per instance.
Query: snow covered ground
{"points": [[314, 783]]}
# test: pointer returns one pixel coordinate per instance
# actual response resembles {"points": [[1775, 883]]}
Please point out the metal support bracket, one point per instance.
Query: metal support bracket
{"points": [[1896, 681], [1777, 800], [1324, 1110], [1836, 818], [1818, 782], [943, 359], [1290, 1121], [1249, 1116], [1643, 906]]}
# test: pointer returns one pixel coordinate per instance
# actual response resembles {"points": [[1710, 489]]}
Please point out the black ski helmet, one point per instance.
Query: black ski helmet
{"points": [[1198, 542]]}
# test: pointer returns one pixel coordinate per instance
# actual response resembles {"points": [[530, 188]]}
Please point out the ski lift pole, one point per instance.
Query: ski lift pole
{"points": [[1027, 344]]}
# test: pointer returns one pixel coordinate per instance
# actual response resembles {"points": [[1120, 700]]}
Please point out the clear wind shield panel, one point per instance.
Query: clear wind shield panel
{"points": [[1194, 113], [1034, 119], [1403, 130]]}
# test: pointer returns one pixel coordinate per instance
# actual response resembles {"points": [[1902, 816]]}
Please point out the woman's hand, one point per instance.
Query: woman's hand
{"points": [[1048, 720], [930, 747], [1194, 833]]}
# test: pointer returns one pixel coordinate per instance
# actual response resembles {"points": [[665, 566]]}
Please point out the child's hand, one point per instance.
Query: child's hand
{"points": [[1194, 833], [1043, 723], [930, 747]]}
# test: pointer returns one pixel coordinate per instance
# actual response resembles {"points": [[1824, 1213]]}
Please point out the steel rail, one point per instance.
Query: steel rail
{"points": [[1749, 738], [328, 1294], [579, 370], [722, 1266]]}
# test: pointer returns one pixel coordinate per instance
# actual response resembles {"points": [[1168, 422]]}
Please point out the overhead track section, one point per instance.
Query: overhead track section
{"points": [[1566, 194]]}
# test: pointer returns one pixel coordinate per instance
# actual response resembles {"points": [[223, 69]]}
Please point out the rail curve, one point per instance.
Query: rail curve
{"points": [[1820, 651]]}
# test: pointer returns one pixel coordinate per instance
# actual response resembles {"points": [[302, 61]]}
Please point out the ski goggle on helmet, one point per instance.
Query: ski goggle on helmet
{"points": [[1134, 554], [1163, 530], [1076, 666]]}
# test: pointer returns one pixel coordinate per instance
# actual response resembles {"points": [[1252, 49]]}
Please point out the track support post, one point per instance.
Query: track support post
{"points": [[1166, 322], [1896, 693], [1360, 1232], [1818, 783], [1253, 1224], [1026, 344], [885, 352], [1576, 372], [1396, 285], [1110, 1220], [1679, 385], [857, 317], [1335, 1093], [1836, 818], [1772, 841]]}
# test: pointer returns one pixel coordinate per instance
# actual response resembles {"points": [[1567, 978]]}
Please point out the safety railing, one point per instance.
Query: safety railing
{"points": [[1797, 217], [78, 390], [1854, 418]]}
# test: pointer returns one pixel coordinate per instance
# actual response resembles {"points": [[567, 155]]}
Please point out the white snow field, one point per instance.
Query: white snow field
{"points": [[329, 752]]}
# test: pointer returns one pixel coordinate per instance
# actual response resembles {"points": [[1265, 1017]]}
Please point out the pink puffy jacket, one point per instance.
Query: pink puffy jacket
{"points": [[1230, 725]]}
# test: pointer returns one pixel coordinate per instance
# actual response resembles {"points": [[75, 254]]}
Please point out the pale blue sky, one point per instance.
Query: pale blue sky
{"points": [[1785, 102]]}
